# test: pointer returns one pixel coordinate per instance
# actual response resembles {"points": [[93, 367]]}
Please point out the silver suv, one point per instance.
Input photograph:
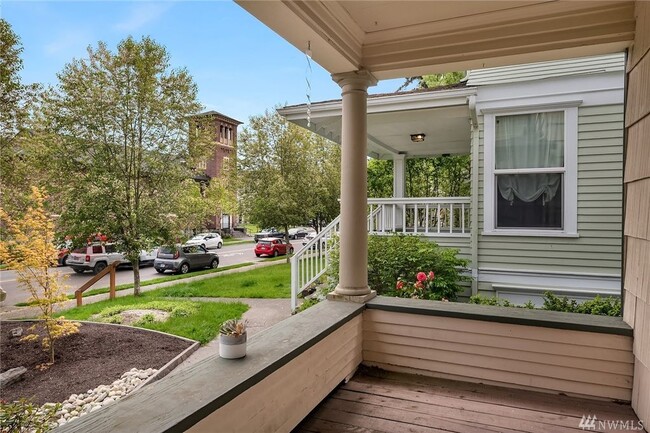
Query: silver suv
{"points": [[94, 258], [182, 258]]}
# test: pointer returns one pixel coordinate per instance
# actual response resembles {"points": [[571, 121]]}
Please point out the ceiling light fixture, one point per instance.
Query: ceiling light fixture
{"points": [[417, 138]]}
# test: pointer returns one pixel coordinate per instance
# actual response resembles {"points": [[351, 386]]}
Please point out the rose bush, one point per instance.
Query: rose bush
{"points": [[401, 257]]}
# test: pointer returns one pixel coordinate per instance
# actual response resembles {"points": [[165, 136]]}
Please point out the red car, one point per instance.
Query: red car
{"points": [[272, 247]]}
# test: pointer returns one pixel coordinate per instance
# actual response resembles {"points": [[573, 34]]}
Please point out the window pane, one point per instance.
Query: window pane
{"points": [[530, 140], [529, 200]]}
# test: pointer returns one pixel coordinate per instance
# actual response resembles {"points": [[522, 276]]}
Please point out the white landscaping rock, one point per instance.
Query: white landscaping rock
{"points": [[78, 405]]}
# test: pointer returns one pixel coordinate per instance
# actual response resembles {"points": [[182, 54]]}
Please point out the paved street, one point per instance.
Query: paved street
{"points": [[228, 255]]}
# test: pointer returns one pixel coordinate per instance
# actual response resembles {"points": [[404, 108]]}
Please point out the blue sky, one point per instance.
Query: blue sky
{"points": [[241, 67]]}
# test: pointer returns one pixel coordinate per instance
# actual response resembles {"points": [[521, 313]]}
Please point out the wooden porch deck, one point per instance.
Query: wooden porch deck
{"points": [[375, 402]]}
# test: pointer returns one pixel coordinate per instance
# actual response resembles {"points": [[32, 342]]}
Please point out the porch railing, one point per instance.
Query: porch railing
{"points": [[427, 216], [311, 262]]}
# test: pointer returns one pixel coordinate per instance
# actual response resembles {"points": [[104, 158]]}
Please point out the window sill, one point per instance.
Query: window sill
{"points": [[531, 233]]}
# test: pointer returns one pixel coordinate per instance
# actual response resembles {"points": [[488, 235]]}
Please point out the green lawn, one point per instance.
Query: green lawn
{"points": [[149, 282], [266, 282], [202, 324]]}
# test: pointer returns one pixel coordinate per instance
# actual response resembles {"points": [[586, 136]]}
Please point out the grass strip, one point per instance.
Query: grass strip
{"points": [[267, 282], [164, 279]]}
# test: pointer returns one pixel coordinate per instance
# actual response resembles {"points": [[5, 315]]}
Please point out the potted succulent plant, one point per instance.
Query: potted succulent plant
{"points": [[232, 339]]}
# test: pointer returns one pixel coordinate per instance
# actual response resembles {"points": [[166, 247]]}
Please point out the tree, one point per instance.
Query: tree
{"points": [[439, 176], [288, 176], [16, 163], [28, 249], [433, 80], [380, 178], [117, 126]]}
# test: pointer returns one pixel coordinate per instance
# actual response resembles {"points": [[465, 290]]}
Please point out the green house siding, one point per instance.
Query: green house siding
{"points": [[461, 244], [600, 171]]}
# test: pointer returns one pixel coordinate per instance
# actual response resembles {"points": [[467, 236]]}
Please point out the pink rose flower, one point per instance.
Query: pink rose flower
{"points": [[399, 285], [431, 275], [421, 276], [418, 285]]}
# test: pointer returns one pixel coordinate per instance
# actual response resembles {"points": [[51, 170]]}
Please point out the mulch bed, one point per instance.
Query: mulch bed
{"points": [[98, 355]]}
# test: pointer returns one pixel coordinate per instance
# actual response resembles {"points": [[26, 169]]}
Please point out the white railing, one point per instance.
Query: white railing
{"points": [[435, 217], [427, 216], [311, 262]]}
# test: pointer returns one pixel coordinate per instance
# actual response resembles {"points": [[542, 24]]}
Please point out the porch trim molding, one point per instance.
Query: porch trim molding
{"points": [[385, 103], [515, 316]]}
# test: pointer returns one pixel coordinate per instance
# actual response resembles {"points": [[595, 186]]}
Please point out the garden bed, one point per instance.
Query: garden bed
{"points": [[98, 355]]}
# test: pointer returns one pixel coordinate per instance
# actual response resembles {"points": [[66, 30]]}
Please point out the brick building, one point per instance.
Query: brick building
{"points": [[223, 157]]}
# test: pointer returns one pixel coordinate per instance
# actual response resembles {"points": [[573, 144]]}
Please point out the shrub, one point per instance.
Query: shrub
{"points": [[28, 249], [498, 302], [306, 304], [609, 306], [395, 257], [23, 416], [147, 319], [174, 308]]}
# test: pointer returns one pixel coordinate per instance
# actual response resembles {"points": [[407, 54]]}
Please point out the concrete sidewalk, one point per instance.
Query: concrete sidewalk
{"points": [[263, 314]]}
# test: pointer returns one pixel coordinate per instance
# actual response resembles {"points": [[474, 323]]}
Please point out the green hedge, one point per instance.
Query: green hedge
{"points": [[609, 306]]}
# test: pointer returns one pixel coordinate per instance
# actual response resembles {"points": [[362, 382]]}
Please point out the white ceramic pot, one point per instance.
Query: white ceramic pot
{"points": [[231, 347]]}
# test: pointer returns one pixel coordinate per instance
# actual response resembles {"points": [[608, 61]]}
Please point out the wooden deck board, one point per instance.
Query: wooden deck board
{"points": [[374, 402]]}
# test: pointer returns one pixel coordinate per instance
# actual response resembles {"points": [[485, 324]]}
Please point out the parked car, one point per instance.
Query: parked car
{"points": [[272, 247], [62, 256], [268, 233], [206, 240], [146, 257], [183, 258], [94, 258], [311, 236], [300, 232], [64, 251]]}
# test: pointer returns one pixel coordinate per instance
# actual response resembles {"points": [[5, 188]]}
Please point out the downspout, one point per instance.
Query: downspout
{"points": [[475, 199]]}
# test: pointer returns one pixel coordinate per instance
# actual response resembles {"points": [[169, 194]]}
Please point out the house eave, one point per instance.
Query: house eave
{"points": [[385, 103]]}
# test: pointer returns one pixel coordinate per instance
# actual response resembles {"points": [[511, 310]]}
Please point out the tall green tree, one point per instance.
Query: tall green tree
{"points": [[118, 130], [380, 178], [16, 166], [439, 176], [288, 176]]}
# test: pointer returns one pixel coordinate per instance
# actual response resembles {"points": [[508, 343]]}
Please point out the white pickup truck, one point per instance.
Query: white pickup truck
{"points": [[97, 257]]}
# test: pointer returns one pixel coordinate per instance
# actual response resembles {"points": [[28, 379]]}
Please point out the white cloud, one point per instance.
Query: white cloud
{"points": [[141, 14], [69, 41]]}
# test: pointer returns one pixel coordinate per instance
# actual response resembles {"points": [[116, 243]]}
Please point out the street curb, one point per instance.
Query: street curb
{"points": [[32, 312]]}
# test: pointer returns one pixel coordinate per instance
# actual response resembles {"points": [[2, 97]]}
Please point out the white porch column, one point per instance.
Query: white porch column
{"points": [[399, 175], [399, 191], [353, 260]]}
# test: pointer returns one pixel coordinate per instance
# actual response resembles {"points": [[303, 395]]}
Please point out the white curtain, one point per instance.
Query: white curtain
{"points": [[529, 141]]}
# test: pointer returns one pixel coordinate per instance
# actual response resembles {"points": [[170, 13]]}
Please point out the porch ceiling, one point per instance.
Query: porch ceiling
{"points": [[443, 116], [398, 39]]}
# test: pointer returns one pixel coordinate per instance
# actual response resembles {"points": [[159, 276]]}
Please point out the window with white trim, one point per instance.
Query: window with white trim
{"points": [[531, 172]]}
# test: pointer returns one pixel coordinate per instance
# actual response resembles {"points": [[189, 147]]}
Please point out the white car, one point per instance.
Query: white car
{"points": [[206, 240]]}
